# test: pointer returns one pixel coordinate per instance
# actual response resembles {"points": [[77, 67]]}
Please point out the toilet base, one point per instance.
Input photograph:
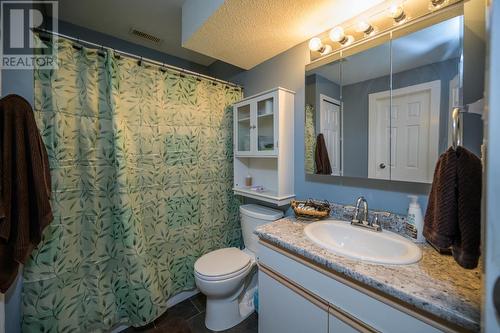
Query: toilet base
{"points": [[222, 314]]}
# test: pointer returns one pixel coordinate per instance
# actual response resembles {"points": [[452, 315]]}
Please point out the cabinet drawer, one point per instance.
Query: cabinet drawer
{"points": [[343, 295]]}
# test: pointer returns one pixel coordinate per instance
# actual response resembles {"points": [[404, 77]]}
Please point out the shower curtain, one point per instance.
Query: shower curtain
{"points": [[141, 164]]}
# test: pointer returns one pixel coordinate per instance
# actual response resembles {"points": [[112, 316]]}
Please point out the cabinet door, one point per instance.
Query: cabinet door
{"points": [[335, 325], [266, 124], [283, 310], [243, 129]]}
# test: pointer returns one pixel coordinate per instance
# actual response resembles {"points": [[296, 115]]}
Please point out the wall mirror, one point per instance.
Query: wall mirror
{"points": [[383, 108]]}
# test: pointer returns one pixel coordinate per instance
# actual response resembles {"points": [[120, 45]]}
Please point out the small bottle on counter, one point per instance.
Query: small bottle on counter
{"points": [[415, 222], [248, 181]]}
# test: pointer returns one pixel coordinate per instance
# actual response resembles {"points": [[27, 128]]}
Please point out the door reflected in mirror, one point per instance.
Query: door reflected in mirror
{"points": [[365, 75], [323, 116], [425, 88]]}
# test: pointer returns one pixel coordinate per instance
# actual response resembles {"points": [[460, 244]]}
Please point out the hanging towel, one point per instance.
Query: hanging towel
{"points": [[322, 160], [453, 216], [24, 186]]}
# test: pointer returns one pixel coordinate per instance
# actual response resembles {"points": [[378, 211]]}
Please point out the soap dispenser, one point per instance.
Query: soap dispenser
{"points": [[415, 221]]}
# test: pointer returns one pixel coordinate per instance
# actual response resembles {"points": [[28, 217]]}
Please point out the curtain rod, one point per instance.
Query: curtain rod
{"points": [[140, 58]]}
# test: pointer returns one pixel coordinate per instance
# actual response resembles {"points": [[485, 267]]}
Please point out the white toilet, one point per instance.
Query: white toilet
{"points": [[224, 275]]}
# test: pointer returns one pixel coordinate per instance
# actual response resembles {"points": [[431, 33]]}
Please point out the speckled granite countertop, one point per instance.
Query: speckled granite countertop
{"points": [[436, 284]]}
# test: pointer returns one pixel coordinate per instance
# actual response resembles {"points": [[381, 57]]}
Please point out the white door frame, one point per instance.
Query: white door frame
{"points": [[323, 97], [491, 184], [435, 98]]}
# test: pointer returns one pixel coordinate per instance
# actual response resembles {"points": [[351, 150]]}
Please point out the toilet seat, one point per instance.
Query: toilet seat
{"points": [[222, 264]]}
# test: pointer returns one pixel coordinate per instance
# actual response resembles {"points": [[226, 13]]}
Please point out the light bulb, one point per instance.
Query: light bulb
{"points": [[348, 40], [364, 27], [395, 10], [315, 44], [326, 49], [436, 4], [397, 13], [337, 34]]}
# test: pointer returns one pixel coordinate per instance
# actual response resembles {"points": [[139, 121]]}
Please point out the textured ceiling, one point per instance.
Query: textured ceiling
{"points": [[246, 33], [161, 18]]}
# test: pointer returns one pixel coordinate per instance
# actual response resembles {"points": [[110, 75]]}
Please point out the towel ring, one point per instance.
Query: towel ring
{"points": [[456, 126]]}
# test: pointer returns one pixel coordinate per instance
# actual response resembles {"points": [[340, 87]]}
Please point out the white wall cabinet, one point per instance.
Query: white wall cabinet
{"points": [[256, 125], [263, 146]]}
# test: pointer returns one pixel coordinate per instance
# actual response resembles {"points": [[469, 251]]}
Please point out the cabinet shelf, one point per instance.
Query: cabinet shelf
{"points": [[267, 195], [265, 115], [240, 155]]}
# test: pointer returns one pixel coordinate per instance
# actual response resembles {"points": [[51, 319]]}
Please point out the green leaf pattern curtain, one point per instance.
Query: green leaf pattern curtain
{"points": [[141, 164]]}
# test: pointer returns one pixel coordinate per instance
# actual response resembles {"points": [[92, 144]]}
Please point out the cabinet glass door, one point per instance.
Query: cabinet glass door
{"points": [[244, 127], [265, 125]]}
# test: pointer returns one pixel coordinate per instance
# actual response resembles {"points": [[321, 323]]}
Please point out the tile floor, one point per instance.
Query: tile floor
{"points": [[189, 317]]}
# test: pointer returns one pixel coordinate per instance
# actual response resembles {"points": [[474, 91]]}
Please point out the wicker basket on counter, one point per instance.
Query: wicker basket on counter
{"points": [[311, 209]]}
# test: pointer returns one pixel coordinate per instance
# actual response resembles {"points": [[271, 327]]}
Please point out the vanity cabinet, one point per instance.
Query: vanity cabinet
{"points": [[294, 293], [263, 146]]}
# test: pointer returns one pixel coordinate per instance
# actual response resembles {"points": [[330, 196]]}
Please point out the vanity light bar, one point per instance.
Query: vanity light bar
{"points": [[371, 24]]}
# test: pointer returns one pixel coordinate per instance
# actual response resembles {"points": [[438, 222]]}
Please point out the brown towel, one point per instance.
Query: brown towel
{"points": [[24, 186], [453, 216], [323, 166]]}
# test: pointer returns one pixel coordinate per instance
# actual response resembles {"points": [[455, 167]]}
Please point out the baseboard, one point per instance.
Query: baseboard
{"points": [[182, 296]]}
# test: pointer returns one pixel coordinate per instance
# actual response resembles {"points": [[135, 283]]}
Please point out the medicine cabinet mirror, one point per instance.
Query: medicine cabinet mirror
{"points": [[384, 107]]}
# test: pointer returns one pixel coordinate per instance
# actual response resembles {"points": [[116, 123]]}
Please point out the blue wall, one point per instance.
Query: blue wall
{"points": [[76, 31], [288, 70]]}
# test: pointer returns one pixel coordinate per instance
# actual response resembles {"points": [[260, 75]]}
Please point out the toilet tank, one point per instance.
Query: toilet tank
{"points": [[252, 216]]}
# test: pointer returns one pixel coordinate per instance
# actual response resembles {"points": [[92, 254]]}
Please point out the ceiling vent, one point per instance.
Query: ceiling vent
{"points": [[145, 36]]}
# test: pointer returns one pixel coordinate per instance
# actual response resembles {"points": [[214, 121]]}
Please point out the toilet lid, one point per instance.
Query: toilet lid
{"points": [[222, 262]]}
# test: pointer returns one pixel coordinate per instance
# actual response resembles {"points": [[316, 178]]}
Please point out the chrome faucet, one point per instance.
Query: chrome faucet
{"points": [[363, 221], [361, 200]]}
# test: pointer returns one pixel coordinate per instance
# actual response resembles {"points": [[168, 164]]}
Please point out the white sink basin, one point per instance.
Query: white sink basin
{"points": [[377, 247]]}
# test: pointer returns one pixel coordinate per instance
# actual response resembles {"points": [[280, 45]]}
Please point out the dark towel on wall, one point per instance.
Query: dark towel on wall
{"points": [[24, 186], [453, 216], [322, 160]]}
